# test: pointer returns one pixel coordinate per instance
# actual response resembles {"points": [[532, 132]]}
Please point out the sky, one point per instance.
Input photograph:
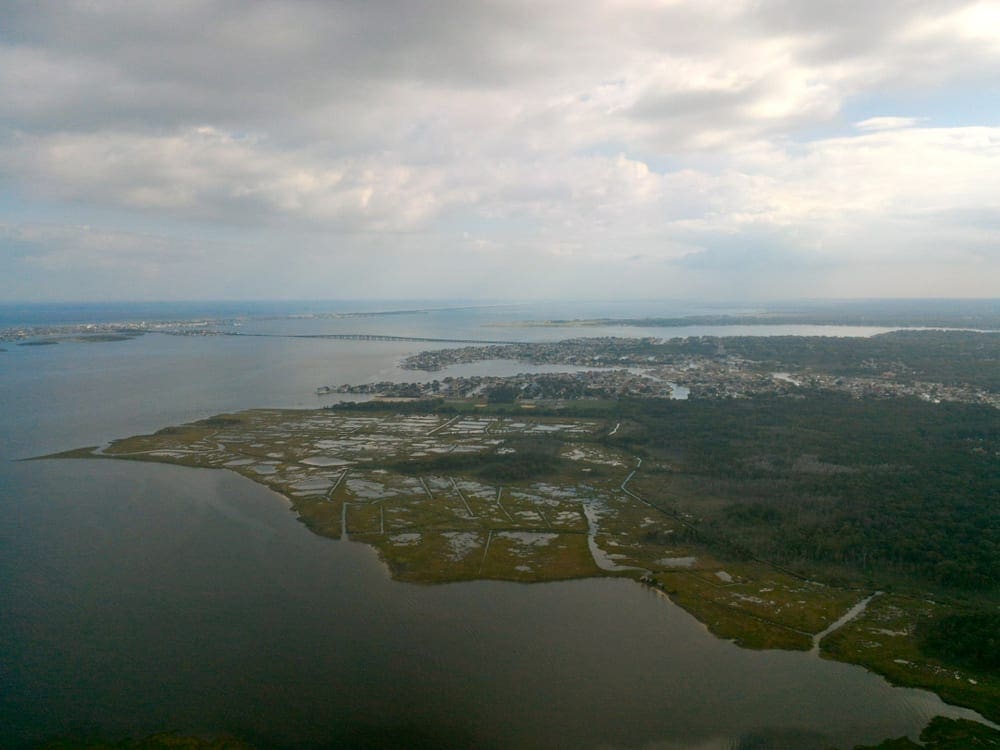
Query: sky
{"points": [[711, 149]]}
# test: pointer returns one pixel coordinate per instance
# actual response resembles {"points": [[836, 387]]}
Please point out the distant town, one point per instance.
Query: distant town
{"points": [[652, 368]]}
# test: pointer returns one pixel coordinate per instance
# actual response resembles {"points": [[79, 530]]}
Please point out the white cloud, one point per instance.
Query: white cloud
{"points": [[887, 123], [208, 174], [81, 248], [575, 135]]}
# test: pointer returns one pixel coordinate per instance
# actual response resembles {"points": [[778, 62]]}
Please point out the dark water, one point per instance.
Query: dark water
{"points": [[138, 598]]}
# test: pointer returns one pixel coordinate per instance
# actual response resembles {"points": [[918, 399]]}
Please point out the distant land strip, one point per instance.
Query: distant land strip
{"points": [[368, 337], [978, 322]]}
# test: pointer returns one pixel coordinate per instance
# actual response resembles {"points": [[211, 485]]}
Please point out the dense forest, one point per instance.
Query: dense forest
{"points": [[968, 638], [532, 459], [866, 484]]}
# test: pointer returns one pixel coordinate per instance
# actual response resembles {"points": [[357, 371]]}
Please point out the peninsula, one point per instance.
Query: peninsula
{"points": [[862, 528]]}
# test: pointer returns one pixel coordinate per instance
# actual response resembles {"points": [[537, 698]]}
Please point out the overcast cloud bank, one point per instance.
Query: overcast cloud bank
{"points": [[222, 149]]}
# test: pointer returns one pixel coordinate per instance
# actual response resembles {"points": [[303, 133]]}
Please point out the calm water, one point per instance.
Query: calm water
{"points": [[139, 598]]}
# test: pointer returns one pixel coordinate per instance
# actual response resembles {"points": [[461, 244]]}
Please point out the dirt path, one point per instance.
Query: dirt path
{"points": [[500, 505], [462, 497]]}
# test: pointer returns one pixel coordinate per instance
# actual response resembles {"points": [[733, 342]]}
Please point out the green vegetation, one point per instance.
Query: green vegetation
{"points": [[502, 394], [89, 338], [885, 639], [161, 741], [531, 459], [972, 639], [945, 734], [887, 490], [104, 338], [760, 607]]}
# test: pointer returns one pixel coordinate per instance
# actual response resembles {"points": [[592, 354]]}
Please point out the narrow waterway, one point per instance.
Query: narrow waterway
{"points": [[855, 611]]}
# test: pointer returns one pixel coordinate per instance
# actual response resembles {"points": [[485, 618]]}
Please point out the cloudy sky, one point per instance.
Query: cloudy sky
{"points": [[650, 148]]}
